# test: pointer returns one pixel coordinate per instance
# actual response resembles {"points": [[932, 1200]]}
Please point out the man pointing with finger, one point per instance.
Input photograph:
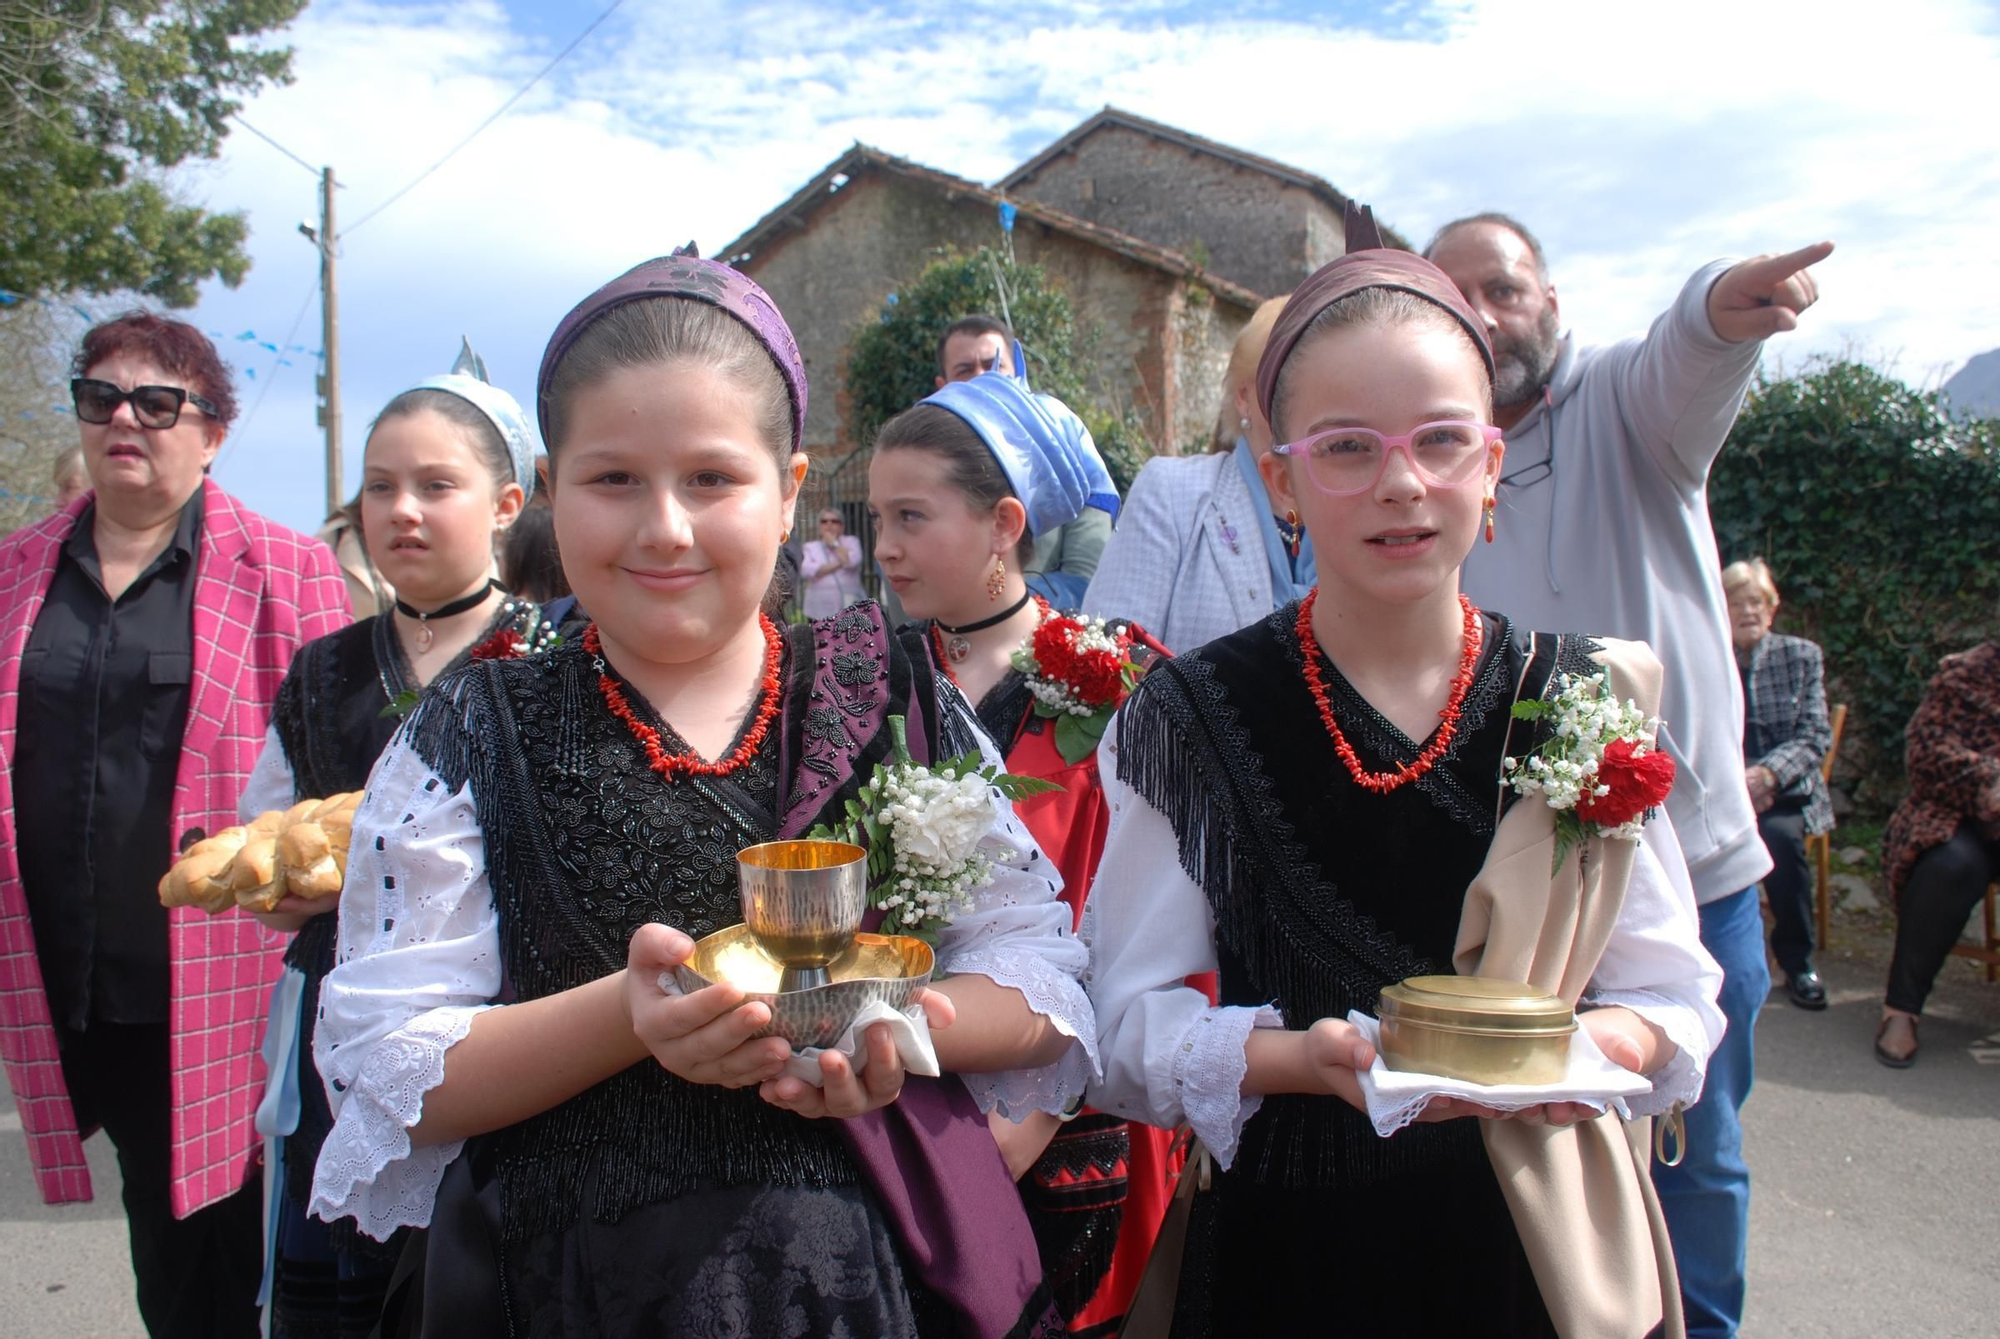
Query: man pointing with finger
{"points": [[1601, 521]]}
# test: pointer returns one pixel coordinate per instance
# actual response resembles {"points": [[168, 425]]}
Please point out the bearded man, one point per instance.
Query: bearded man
{"points": [[1601, 521]]}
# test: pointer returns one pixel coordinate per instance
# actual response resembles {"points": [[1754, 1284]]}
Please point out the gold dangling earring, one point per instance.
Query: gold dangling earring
{"points": [[1293, 531], [1490, 504], [996, 580]]}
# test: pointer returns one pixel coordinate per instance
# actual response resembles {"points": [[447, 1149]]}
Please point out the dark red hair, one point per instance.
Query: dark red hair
{"points": [[174, 346]]}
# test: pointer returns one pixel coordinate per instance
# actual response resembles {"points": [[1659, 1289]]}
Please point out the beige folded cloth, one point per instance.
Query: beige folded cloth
{"points": [[1582, 1197]]}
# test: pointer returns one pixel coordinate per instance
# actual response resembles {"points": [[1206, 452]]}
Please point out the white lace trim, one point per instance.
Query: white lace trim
{"points": [[1679, 1080], [367, 1170], [1209, 1066], [1056, 995]]}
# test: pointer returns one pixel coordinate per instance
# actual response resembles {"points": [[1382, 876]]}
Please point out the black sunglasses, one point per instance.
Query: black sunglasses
{"points": [[154, 406]]}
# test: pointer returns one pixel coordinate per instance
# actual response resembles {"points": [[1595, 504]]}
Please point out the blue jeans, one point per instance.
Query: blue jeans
{"points": [[1707, 1198]]}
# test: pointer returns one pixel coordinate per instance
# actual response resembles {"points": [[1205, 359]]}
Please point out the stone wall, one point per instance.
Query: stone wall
{"points": [[1255, 229], [1154, 349]]}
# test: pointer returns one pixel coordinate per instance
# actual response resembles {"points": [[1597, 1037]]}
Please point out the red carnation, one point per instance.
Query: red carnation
{"points": [[1094, 677], [506, 644], [1097, 677], [1055, 648], [1638, 782]]}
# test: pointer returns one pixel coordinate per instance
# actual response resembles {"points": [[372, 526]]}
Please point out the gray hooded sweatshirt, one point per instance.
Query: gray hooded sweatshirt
{"points": [[1602, 527]]}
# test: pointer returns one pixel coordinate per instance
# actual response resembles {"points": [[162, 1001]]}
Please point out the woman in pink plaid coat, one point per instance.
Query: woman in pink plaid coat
{"points": [[143, 632]]}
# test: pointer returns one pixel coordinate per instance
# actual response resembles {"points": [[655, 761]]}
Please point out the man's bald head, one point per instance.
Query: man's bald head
{"points": [[1501, 269], [1498, 220]]}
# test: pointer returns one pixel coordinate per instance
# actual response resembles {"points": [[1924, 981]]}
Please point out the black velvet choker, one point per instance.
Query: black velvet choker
{"points": [[424, 634]]}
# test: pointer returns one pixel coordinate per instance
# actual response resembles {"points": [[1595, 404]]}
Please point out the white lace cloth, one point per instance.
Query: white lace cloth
{"points": [[270, 784], [1395, 1097], [419, 958], [1167, 1056]]}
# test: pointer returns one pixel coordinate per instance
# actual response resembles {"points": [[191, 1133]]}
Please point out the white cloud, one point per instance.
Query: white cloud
{"points": [[1637, 142]]}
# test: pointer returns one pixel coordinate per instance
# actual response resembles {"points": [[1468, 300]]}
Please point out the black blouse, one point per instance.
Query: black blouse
{"points": [[105, 686]]}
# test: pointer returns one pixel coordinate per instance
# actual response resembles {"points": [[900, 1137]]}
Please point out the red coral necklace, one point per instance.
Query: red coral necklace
{"points": [[1381, 783], [690, 763]]}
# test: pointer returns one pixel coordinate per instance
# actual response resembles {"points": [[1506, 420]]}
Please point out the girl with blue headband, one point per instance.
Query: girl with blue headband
{"points": [[446, 469], [960, 486]]}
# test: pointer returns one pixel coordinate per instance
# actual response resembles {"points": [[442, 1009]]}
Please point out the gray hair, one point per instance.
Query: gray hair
{"points": [[1507, 221]]}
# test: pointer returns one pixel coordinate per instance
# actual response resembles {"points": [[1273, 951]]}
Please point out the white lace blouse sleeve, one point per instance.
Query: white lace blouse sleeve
{"points": [[1654, 964], [270, 784], [1018, 934], [418, 959], [1167, 1054]]}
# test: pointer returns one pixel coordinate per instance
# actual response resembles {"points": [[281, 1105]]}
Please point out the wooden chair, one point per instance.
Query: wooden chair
{"points": [[1819, 845], [1990, 955]]}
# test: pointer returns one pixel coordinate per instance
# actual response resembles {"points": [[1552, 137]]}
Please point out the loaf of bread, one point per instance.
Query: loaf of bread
{"points": [[300, 851]]}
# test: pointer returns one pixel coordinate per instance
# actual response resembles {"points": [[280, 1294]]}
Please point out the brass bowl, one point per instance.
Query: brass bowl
{"points": [[890, 968], [1475, 1028]]}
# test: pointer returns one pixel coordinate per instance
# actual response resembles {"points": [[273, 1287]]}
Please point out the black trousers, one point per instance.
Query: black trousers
{"points": [[197, 1276], [1944, 886], [1788, 888]]}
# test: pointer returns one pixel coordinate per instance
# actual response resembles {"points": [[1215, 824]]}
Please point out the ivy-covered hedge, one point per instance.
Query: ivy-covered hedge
{"points": [[1880, 518], [893, 361]]}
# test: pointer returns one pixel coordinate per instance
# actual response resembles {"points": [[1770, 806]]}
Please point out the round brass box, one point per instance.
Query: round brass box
{"points": [[1475, 1028], [890, 968]]}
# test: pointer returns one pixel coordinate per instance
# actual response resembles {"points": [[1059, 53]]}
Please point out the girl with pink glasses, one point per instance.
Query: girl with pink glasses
{"points": [[1320, 806]]}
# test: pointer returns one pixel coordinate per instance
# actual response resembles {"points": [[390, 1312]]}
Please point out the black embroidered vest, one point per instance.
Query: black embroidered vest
{"points": [[584, 844], [1323, 892]]}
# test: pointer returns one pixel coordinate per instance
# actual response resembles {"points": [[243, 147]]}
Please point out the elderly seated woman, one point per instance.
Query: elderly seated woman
{"points": [[1942, 847], [1785, 739]]}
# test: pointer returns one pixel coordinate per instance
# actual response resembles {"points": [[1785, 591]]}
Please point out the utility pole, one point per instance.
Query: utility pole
{"points": [[329, 308]]}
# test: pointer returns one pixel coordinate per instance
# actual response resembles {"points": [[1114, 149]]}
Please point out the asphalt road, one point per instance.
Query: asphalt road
{"points": [[1875, 1209]]}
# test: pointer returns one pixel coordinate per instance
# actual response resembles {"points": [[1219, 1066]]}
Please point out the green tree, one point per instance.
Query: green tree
{"points": [[99, 101], [35, 345], [1880, 517], [893, 361]]}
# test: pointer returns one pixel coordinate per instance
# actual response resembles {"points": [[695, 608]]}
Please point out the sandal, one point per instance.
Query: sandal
{"points": [[1890, 1058]]}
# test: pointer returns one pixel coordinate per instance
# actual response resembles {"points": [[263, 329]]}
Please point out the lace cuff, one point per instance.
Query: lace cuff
{"points": [[1208, 1075], [367, 1170], [1681, 1078], [1057, 996]]}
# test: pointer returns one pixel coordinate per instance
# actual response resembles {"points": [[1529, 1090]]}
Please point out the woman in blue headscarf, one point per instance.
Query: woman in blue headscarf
{"points": [[448, 466], [960, 486]]}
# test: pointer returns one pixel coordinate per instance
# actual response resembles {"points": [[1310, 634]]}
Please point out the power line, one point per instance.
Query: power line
{"points": [[500, 112], [274, 144], [242, 429]]}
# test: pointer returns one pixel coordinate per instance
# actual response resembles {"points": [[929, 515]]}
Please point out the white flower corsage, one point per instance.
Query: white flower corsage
{"points": [[922, 826], [1598, 768]]}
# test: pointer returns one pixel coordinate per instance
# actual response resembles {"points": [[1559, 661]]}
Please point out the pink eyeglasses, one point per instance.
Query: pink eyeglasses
{"points": [[1346, 461]]}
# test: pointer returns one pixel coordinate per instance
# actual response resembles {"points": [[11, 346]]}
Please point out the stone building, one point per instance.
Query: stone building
{"points": [[1248, 219], [1164, 242]]}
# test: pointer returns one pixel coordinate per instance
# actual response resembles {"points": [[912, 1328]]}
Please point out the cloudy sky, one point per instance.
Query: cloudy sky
{"points": [[1638, 141]]}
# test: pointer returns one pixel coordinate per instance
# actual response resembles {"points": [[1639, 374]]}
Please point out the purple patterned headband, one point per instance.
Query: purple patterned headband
{"points": [[1369, 263], [684, 274]]}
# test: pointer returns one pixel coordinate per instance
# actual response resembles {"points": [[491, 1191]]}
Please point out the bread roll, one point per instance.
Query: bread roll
{"points": [[307, 857], [200, 878], [255, 879], [339, 829], [298, 813]]}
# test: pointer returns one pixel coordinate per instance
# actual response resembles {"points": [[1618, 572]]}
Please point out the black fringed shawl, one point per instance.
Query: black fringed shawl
{"points": [[330, 722], [1324, 893], [584, 844]]}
